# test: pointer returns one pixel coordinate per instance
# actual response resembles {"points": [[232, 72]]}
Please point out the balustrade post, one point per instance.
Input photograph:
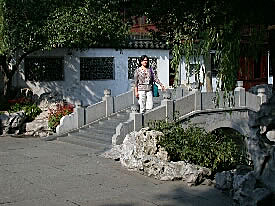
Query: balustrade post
{"points": [[79, 114], [169, 105], [133, 90], [240, 94], [198, 100], [179, 92], [109, 102], [137, 117], [262, 95]]}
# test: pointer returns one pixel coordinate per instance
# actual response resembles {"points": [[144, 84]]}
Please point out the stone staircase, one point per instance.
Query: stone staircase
{"points": [[97, 135]]}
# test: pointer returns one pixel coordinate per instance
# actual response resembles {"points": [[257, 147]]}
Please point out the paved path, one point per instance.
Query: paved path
{"points": [[39, 173]]}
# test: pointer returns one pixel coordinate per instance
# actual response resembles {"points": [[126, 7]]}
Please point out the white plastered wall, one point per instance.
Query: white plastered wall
{"points": [[188, 81], [89, 92]]}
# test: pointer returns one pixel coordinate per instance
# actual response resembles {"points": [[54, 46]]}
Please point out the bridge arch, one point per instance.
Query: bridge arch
{"points": [[241, 128]]}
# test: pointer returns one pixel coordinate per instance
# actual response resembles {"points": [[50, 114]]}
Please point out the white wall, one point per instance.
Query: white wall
{"points": [[270, 80], [184, 77], [89, 92]]}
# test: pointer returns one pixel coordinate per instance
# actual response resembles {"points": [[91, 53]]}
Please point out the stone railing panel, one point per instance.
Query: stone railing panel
{"points": [[95, 112], [225, 100], [67, 123], [122, 130], [159, 113], [208, 100], [184, 105], [123, 101]]}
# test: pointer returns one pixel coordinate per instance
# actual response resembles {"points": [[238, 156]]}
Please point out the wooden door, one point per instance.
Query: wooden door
{"points": [[253, 71]]}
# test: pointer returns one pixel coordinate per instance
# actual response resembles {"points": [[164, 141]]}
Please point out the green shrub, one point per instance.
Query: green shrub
{"points": [[55, 115], [31, 109], [217, 151], [15, 108]]}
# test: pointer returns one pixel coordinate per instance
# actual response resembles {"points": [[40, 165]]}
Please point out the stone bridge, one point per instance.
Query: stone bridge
{"points": [[208, 110], [249, 114]]}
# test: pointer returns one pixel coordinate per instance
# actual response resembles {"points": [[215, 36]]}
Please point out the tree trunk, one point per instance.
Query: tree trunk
{"points": [[7, 85], [208, 73], [272, 55], [7, 74]]}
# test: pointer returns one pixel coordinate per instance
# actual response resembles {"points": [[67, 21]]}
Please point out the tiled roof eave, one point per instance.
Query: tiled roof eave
{"points": [[146, 44]]}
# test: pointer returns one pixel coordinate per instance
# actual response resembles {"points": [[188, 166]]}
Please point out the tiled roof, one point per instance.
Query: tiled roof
{"points": [[146, 44]]}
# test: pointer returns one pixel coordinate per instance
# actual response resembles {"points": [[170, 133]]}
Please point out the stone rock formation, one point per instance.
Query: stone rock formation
{"points": [[261, 149], [255, 187], [16, 123], [13, 123], [141, 152]]}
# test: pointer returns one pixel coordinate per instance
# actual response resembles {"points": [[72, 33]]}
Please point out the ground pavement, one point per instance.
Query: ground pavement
{"points": [[37, 173]]}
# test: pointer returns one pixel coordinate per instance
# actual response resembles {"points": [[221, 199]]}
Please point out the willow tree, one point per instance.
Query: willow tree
{"points": [[31, 25], [193, 27]]}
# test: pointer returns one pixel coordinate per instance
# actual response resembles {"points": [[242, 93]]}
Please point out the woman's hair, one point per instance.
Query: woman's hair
{"points": [[142, 58]]}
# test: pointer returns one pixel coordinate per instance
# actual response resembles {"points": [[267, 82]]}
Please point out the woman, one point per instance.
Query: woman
{"points": [[144, 79]]}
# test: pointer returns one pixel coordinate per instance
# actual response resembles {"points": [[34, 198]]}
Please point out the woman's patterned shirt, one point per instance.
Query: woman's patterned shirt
{"points": [[144, 79]]}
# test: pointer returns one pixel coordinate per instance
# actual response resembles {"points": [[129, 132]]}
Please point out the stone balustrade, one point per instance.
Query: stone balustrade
{"points": [[198, 102], [175, 105]]}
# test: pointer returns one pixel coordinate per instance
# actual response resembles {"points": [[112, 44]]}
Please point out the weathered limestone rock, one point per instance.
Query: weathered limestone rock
{"points": [[16, 123], [258, 186], [261, 149], [243, 188], [224, 180], [13, 123], [140, 152], [271, 135], [4, 118], [39, 126]]}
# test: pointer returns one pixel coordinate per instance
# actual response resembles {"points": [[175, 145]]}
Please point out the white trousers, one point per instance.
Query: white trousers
{"points": [[145, 100]]}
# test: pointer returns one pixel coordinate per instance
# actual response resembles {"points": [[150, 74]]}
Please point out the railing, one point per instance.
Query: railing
{"points": [[195, 102], [83, 116], [108, 106], [182, 106]]}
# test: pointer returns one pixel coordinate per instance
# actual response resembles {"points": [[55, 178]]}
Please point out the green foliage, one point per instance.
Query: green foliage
{"points": [[29, 26], [88, 24], [192, 28], [15, 108], [31, 109], [218, 151], [56, 114]]}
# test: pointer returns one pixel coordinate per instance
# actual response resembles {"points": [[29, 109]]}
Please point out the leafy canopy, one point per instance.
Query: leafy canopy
{"points": [[193, 27], [30, 25], [39, 24]]}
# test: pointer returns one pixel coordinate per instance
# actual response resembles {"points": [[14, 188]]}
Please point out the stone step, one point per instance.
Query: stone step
{"points": [[112, 121], [85, 142], [123, 115], [97, 138], [116, 118], [104, 126], [107, 124], [105, 139], [97, 135], [97, 130]]}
